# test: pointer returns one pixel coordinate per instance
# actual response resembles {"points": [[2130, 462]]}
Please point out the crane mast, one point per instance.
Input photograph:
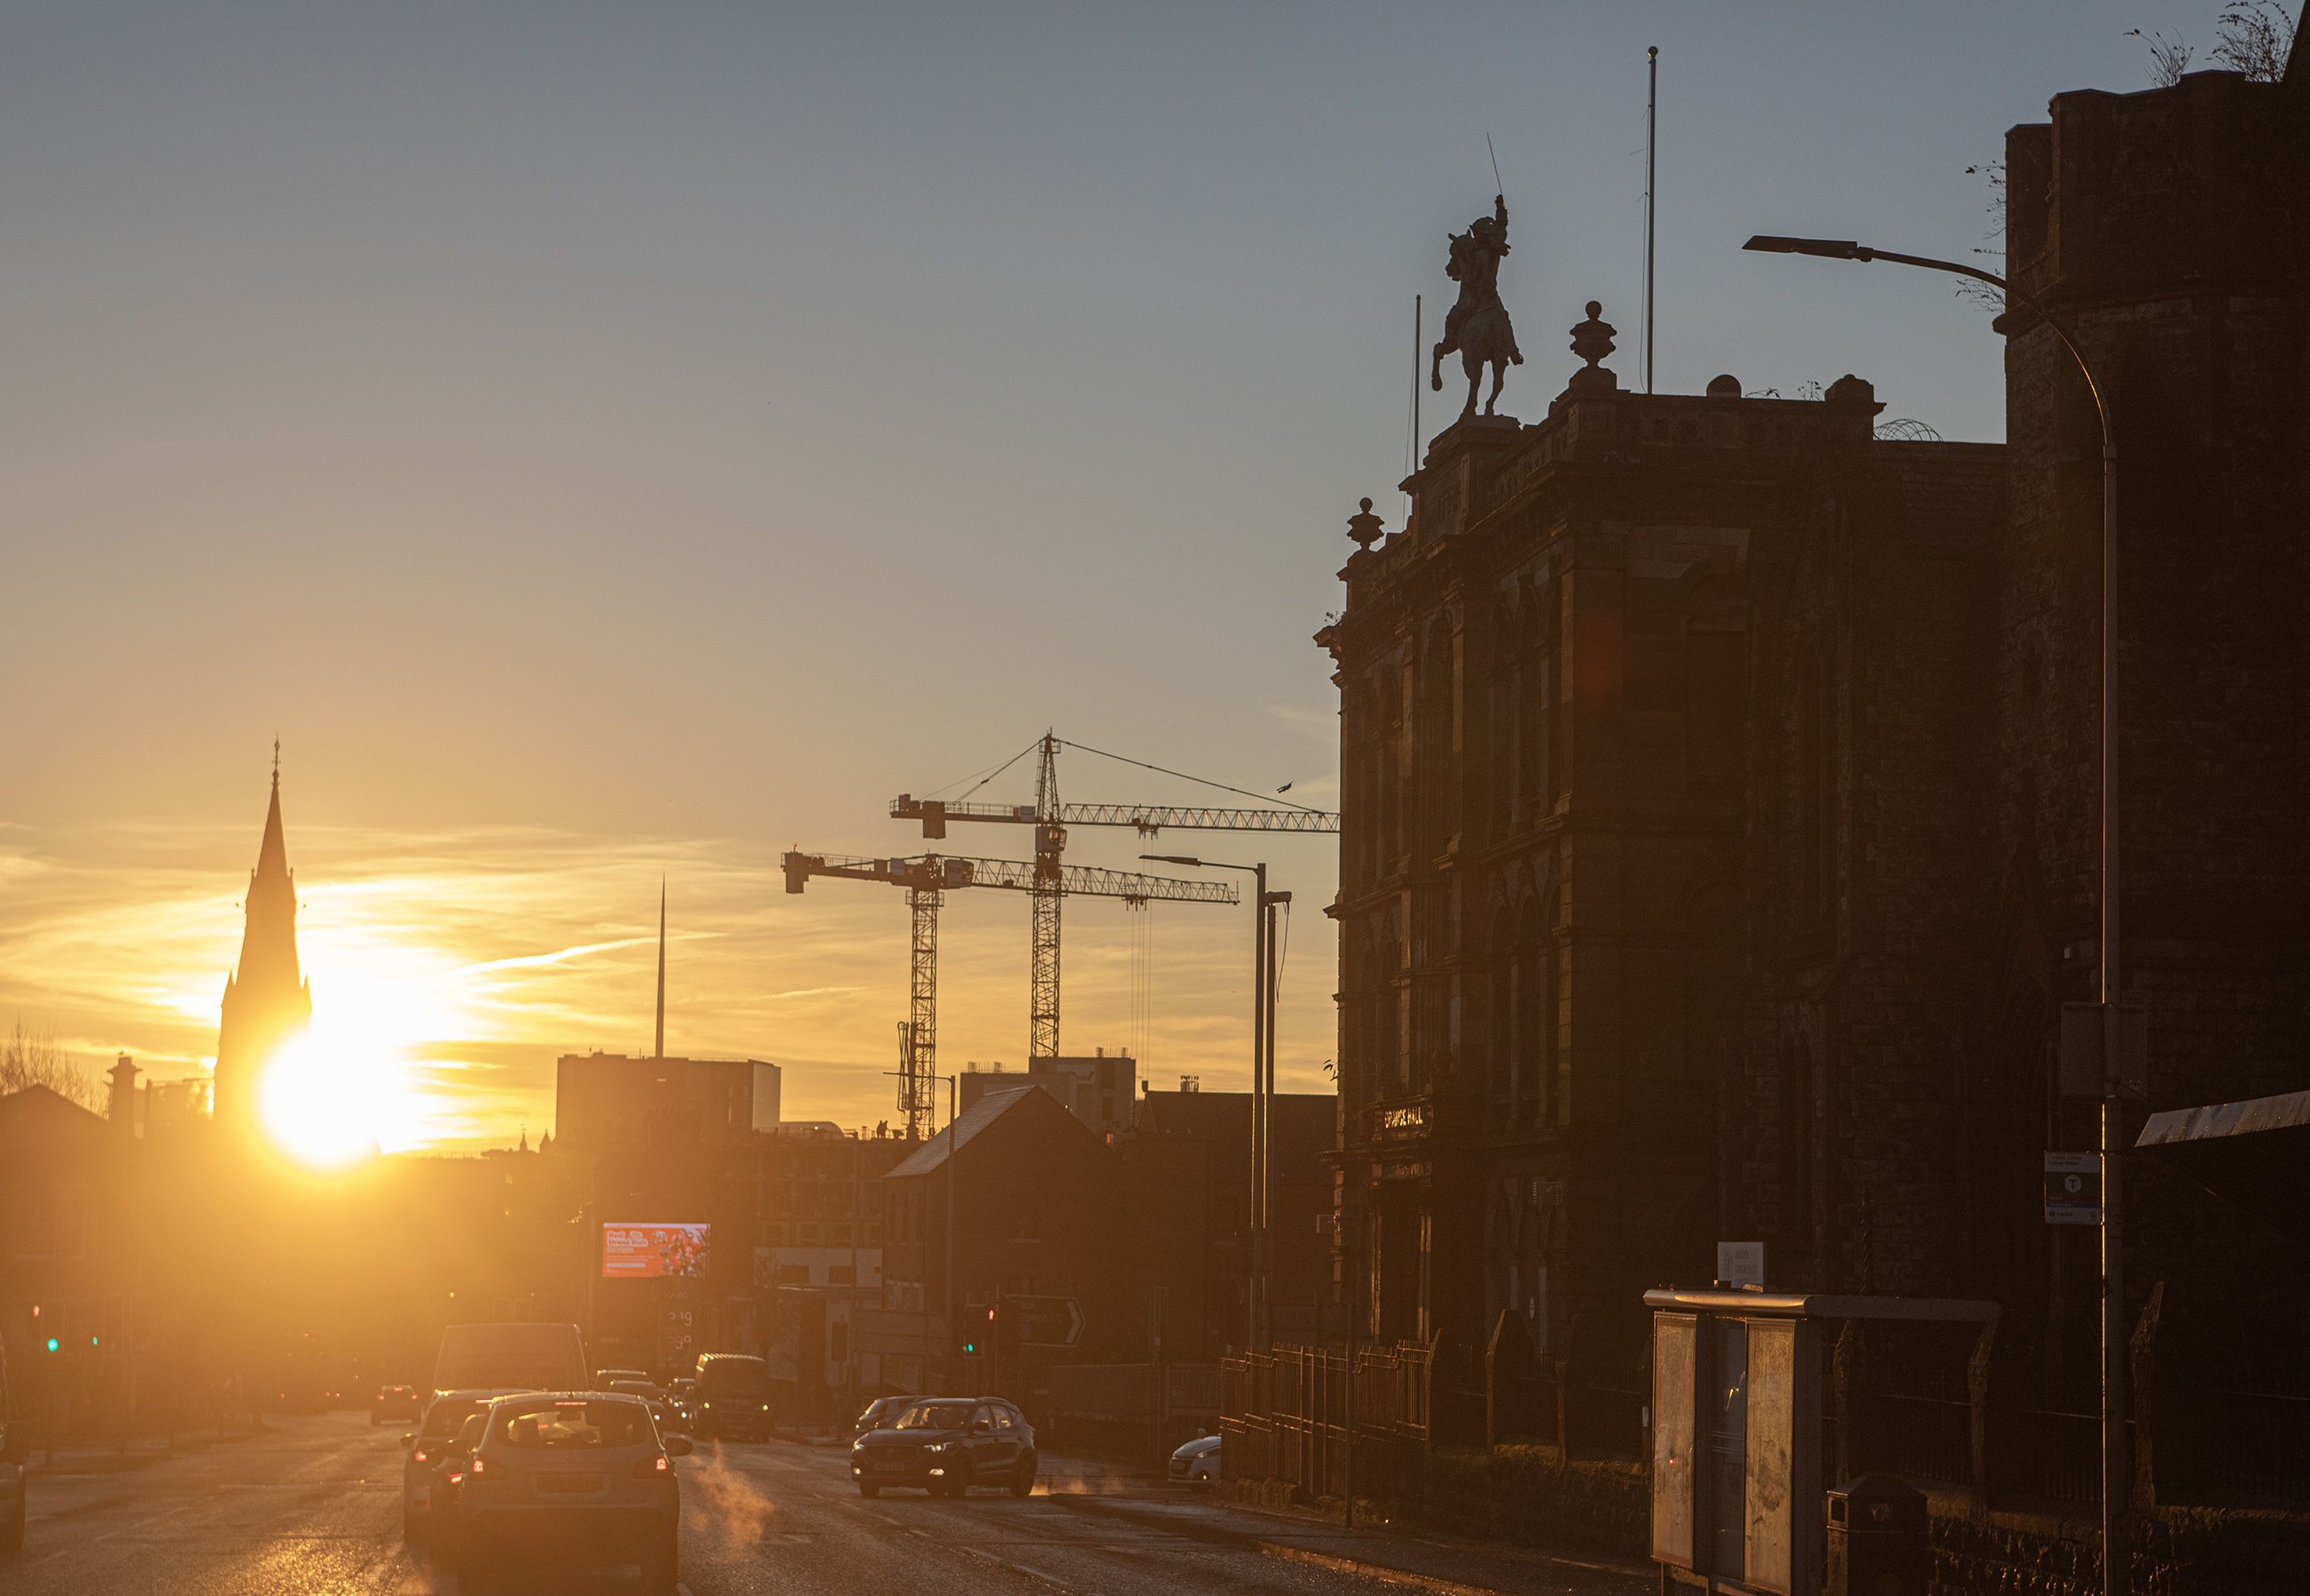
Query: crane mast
{"points": [[1050, 818], [926, 879]]}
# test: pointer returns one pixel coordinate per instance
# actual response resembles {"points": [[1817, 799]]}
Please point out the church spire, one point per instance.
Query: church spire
{"points": [[266, 997], [660, 1052]]}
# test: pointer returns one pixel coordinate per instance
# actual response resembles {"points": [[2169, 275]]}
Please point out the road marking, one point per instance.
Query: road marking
{"points": [[1018, 1569], [1389, 1577]]}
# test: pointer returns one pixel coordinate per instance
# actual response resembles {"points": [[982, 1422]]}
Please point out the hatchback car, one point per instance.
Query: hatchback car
{"points": [[392, 1404], [426, 1444], [569, 1480], [1197, 1464], [947, 1444]]}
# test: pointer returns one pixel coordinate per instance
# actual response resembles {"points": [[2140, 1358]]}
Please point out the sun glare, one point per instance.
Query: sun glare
{"points": [[349, 1088]]}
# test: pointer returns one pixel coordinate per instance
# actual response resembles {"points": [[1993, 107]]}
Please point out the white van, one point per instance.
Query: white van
{"points": [[510, 1358]]}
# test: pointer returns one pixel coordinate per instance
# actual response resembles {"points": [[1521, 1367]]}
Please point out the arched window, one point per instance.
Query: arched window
{"points": [[1535, 1018], [1432, 744], [1499, 1034]]}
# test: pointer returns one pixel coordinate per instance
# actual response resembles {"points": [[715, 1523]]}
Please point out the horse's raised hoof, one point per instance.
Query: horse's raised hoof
{"points": [[1436, 381]]}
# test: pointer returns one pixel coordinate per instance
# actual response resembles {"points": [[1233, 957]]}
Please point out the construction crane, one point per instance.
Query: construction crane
{"points": [[927, 880], [1050, 818]]}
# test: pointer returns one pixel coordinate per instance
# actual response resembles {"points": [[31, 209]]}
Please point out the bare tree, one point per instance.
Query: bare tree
{"points": [[2169, 58], [2255, 36], [1980, 295], [32, 1058]]}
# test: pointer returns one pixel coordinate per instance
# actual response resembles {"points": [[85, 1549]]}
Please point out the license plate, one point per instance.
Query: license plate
{"points": [[569, 1484], [889, 1465]]}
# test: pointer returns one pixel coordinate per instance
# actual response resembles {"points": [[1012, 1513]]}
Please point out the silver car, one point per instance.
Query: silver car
{"points": [[563, 1481], [444, 1415]]}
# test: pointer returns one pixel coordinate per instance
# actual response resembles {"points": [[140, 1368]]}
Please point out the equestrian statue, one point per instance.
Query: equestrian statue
{"points": [[1477, 327]]}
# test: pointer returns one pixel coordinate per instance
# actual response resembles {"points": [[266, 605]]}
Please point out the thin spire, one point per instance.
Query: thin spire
{"points": [[276, 761], [660, 969]]}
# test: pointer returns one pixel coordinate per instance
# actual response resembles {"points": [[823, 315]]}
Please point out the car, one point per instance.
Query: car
{"points": [[660, 1410], [1197, 1464], [881, 1414], [443, 1417], [394, 1402], [607, 1379], [733, 1397], [682, 1395], [15, 1450], [565, 1481], [448, 1473], [947, 1444]]}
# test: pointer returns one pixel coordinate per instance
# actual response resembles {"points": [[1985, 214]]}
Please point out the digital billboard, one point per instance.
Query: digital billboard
{"points": [[654, 1252]]}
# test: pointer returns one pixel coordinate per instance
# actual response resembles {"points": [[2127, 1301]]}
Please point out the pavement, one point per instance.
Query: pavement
{"points": [[311, 1507]]}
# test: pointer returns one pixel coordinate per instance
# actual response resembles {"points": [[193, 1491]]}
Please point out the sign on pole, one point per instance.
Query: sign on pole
{"points": [[1046, 1321], [2073, 1188]]}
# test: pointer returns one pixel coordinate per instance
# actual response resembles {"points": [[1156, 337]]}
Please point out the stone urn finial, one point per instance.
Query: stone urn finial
{"points": [[1364, 527], [1592, 340]]}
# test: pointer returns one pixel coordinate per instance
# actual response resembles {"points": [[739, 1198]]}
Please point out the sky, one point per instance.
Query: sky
{"points": [[608, 444]]}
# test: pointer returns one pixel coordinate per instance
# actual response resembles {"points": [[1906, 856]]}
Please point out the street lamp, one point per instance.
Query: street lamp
{"points": [[2112, 1269], [1263, 1071]]}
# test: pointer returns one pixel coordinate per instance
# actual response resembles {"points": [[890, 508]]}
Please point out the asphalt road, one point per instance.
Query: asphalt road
{"points": [[312, 1509]]}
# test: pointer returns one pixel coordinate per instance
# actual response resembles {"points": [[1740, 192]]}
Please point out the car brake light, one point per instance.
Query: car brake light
{"points": [[420, 1456], [476, 1467], [651, 1467]]}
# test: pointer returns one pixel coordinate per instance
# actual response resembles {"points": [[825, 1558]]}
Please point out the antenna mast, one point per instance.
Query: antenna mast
{"points": [[1652, 147], [660, 1052]]}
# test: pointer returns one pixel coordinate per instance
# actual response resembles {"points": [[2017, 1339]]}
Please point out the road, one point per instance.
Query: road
{"points": [[312, 1508]]}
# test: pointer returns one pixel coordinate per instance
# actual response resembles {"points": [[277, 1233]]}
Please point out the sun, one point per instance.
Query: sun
{"points": [[318, 1109], [346, 1091]]}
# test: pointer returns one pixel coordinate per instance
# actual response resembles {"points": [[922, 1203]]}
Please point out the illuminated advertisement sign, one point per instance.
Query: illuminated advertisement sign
{"points": [[654, 1252]]}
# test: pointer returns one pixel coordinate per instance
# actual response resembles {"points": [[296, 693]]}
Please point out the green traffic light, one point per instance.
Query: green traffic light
{"points": [[54, 1344]]}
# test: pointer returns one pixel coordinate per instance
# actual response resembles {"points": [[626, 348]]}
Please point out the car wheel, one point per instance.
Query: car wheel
{"points": [[1022, 1483], [869, 1489]]}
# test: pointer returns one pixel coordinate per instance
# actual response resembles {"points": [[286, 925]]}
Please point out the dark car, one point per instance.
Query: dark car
{"points": [[882, 1413], [683, 1396], [660, 1410], [394, 1403], [733, 1397], [451, 1460], [947, 1444]]}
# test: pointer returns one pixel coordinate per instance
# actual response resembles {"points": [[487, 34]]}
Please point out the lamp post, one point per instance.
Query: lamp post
{"points": [[2113, 1262], [1263, 1073]]}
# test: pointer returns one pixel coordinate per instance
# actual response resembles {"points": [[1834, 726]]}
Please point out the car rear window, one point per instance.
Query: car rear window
{"points": [[575, 1424], [442, 1418]]}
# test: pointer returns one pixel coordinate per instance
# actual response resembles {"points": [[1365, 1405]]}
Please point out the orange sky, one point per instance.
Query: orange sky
{"points": [[471, 959]]}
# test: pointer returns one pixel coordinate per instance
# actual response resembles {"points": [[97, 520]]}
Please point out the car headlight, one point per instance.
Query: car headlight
{"points": [[858, 1445], [940, 1446]]}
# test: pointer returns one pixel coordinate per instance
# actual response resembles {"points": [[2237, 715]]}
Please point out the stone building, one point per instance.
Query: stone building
{"points": [[1545, 686], [1721, 803]]}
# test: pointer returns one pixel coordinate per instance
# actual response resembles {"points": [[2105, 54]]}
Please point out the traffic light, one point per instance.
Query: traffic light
{"points": [[978, 1327], [54, 1345]]}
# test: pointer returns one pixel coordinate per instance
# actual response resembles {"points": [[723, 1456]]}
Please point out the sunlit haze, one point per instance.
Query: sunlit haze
{"points": [[619, 449]]}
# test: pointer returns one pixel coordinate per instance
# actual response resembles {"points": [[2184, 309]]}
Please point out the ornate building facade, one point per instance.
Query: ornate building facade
{"points": [[1721, 798]]}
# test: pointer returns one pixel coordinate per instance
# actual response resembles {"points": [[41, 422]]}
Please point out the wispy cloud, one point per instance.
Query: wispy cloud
{"points": [[479, 956]]}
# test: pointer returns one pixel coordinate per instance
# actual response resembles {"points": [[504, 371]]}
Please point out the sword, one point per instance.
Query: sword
{"points": [[1497, 186]]}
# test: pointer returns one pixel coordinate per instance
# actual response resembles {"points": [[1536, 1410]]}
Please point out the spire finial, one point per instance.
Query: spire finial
{"points": [[276, 760], [660, 1053]]}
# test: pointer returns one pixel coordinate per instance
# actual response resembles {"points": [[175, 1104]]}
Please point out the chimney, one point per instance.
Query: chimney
{"points": [[121, 1108]]}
